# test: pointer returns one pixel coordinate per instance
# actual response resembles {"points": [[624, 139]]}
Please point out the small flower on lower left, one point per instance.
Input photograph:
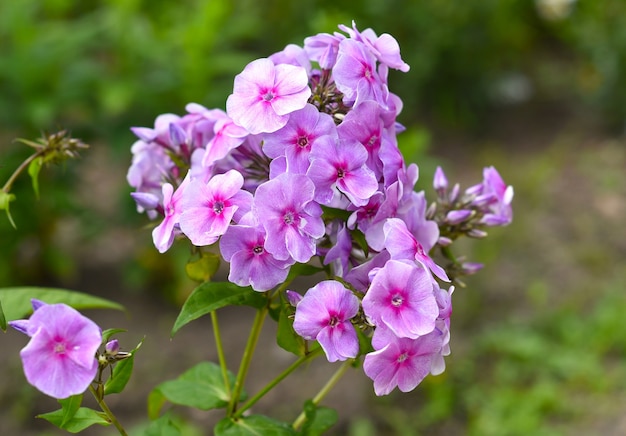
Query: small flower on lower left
{"points": [[60, 358]]}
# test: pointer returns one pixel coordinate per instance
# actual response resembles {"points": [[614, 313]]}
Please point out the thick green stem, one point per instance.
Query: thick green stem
{"points": [[325, 390], [7, 186], [278, 379], [108, 412], [255, 332], [220, 351]]}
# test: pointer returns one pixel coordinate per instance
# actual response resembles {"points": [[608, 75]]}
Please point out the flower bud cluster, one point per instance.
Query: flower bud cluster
{"points": [[304, 165]]}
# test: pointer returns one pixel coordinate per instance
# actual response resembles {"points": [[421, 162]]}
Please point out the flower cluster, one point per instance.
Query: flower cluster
{"points": [[304, 166]]}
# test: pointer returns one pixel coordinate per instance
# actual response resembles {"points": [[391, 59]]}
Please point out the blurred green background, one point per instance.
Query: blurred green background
{"points": [[536, 88]]}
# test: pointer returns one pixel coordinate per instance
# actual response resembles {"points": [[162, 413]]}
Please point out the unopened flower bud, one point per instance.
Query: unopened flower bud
{"points": [[471, 267], [145, 200], [444, 241], [454, 193], [440, 182], [293, 297], [178, 136], [112, 347], [477, 234], [458, 216]]}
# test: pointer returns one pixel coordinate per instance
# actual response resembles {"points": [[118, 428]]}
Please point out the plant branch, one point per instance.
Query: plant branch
{"points": [[220, 350], [108, 412]]}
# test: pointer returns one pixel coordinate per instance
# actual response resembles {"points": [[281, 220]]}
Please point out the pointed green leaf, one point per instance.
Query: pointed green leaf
{"points": [[253, 425], [202, 269], [162, 426], [69, 407], [83, 418], [214, 295], [3, 319], [286, 336], [302, 269], [17, 305], [5, 200], [33, 171], [106, 334], [156, 400], [121, 373], [201, 387], [318, 419]]}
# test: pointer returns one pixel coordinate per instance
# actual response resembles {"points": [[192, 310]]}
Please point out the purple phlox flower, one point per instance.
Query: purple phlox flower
{"points": [[265, 94], [160, 134], [470, 268], [403, 245], [250, 264], [249, 160], [392, 159], [401, 297], [402, 363], [340, 253], [209, 208], [356, 75], [384, 47], [323, 48], [59, 359], [363, 215], [342, 165], [149, 167], [146, 202], [500, 212], [455, 217], [292, 54], [440, 182], [293, 298], [163, 234], [324, 315], [364, 124], [305, 129], [359, 276], [228, 136], [292, 220]]}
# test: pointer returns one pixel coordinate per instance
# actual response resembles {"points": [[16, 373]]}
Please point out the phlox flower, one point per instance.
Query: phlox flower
{"points": [[250, 263], [59, 359], [401, 297], [499, 210], [356, 75], [402, 362], [209, 208], [265, 94], [163, 234], [324, 315], [342, 164], [323, 48], [292, 220], [401, 244]]}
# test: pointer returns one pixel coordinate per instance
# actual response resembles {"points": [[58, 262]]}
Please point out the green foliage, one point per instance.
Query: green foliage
{"points": [[73, 418], [121, 373], [253, 425], [318, 419], [211, 296]]}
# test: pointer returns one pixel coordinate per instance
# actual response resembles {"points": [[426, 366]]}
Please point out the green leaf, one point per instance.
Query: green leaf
{"points": [[201, 387], [253, 425], [83, 418], [33, 171], [359, 237], [202, 269], [331, 213], [302, 269], [162, 426], [121, 373], [156, 400], [214, 295], [106, 334], [318, 419], [5, 200], [286, 336], [3, 319], [17, 304], [69, 407]]}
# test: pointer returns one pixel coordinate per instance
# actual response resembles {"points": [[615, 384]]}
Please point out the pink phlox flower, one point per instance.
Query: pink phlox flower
{"points": [[324, 315], [227, 136], [208, 209], [342, 165], [306, 129], [250, 264], [150, 166], [362, 216], [384, 47], [359, 276], [356, 75], [265, 94], [401, 297], [292, 54], [402, 362], [403, 245], [340, 252], [160, 134], [323, 48], [163, 235], [500, 212], [291, 218], [249, 159], [59, 359]]}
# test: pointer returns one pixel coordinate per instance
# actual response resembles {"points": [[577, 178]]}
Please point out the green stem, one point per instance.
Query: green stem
{"points": [[108, 412], [325, 390], [7, 186], [220, 351], [277, 380], [255, 332]]}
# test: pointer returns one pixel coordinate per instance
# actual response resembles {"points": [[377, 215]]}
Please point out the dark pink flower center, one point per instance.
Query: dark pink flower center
{"points": [[258, 250], [333, 321], [218, 207], [268, 95], [59, 347], [303, 142], [341, 173], [397, 300], [289, 218], [402, 357]]}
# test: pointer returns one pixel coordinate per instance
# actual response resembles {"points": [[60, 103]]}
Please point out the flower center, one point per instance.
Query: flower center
{"points": [[397, 300], [402, 357], [340, 173], [258, 250], [59, 348], [218, 207], [268, 96], [333, 321], [303, 142], [289, 218]]}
